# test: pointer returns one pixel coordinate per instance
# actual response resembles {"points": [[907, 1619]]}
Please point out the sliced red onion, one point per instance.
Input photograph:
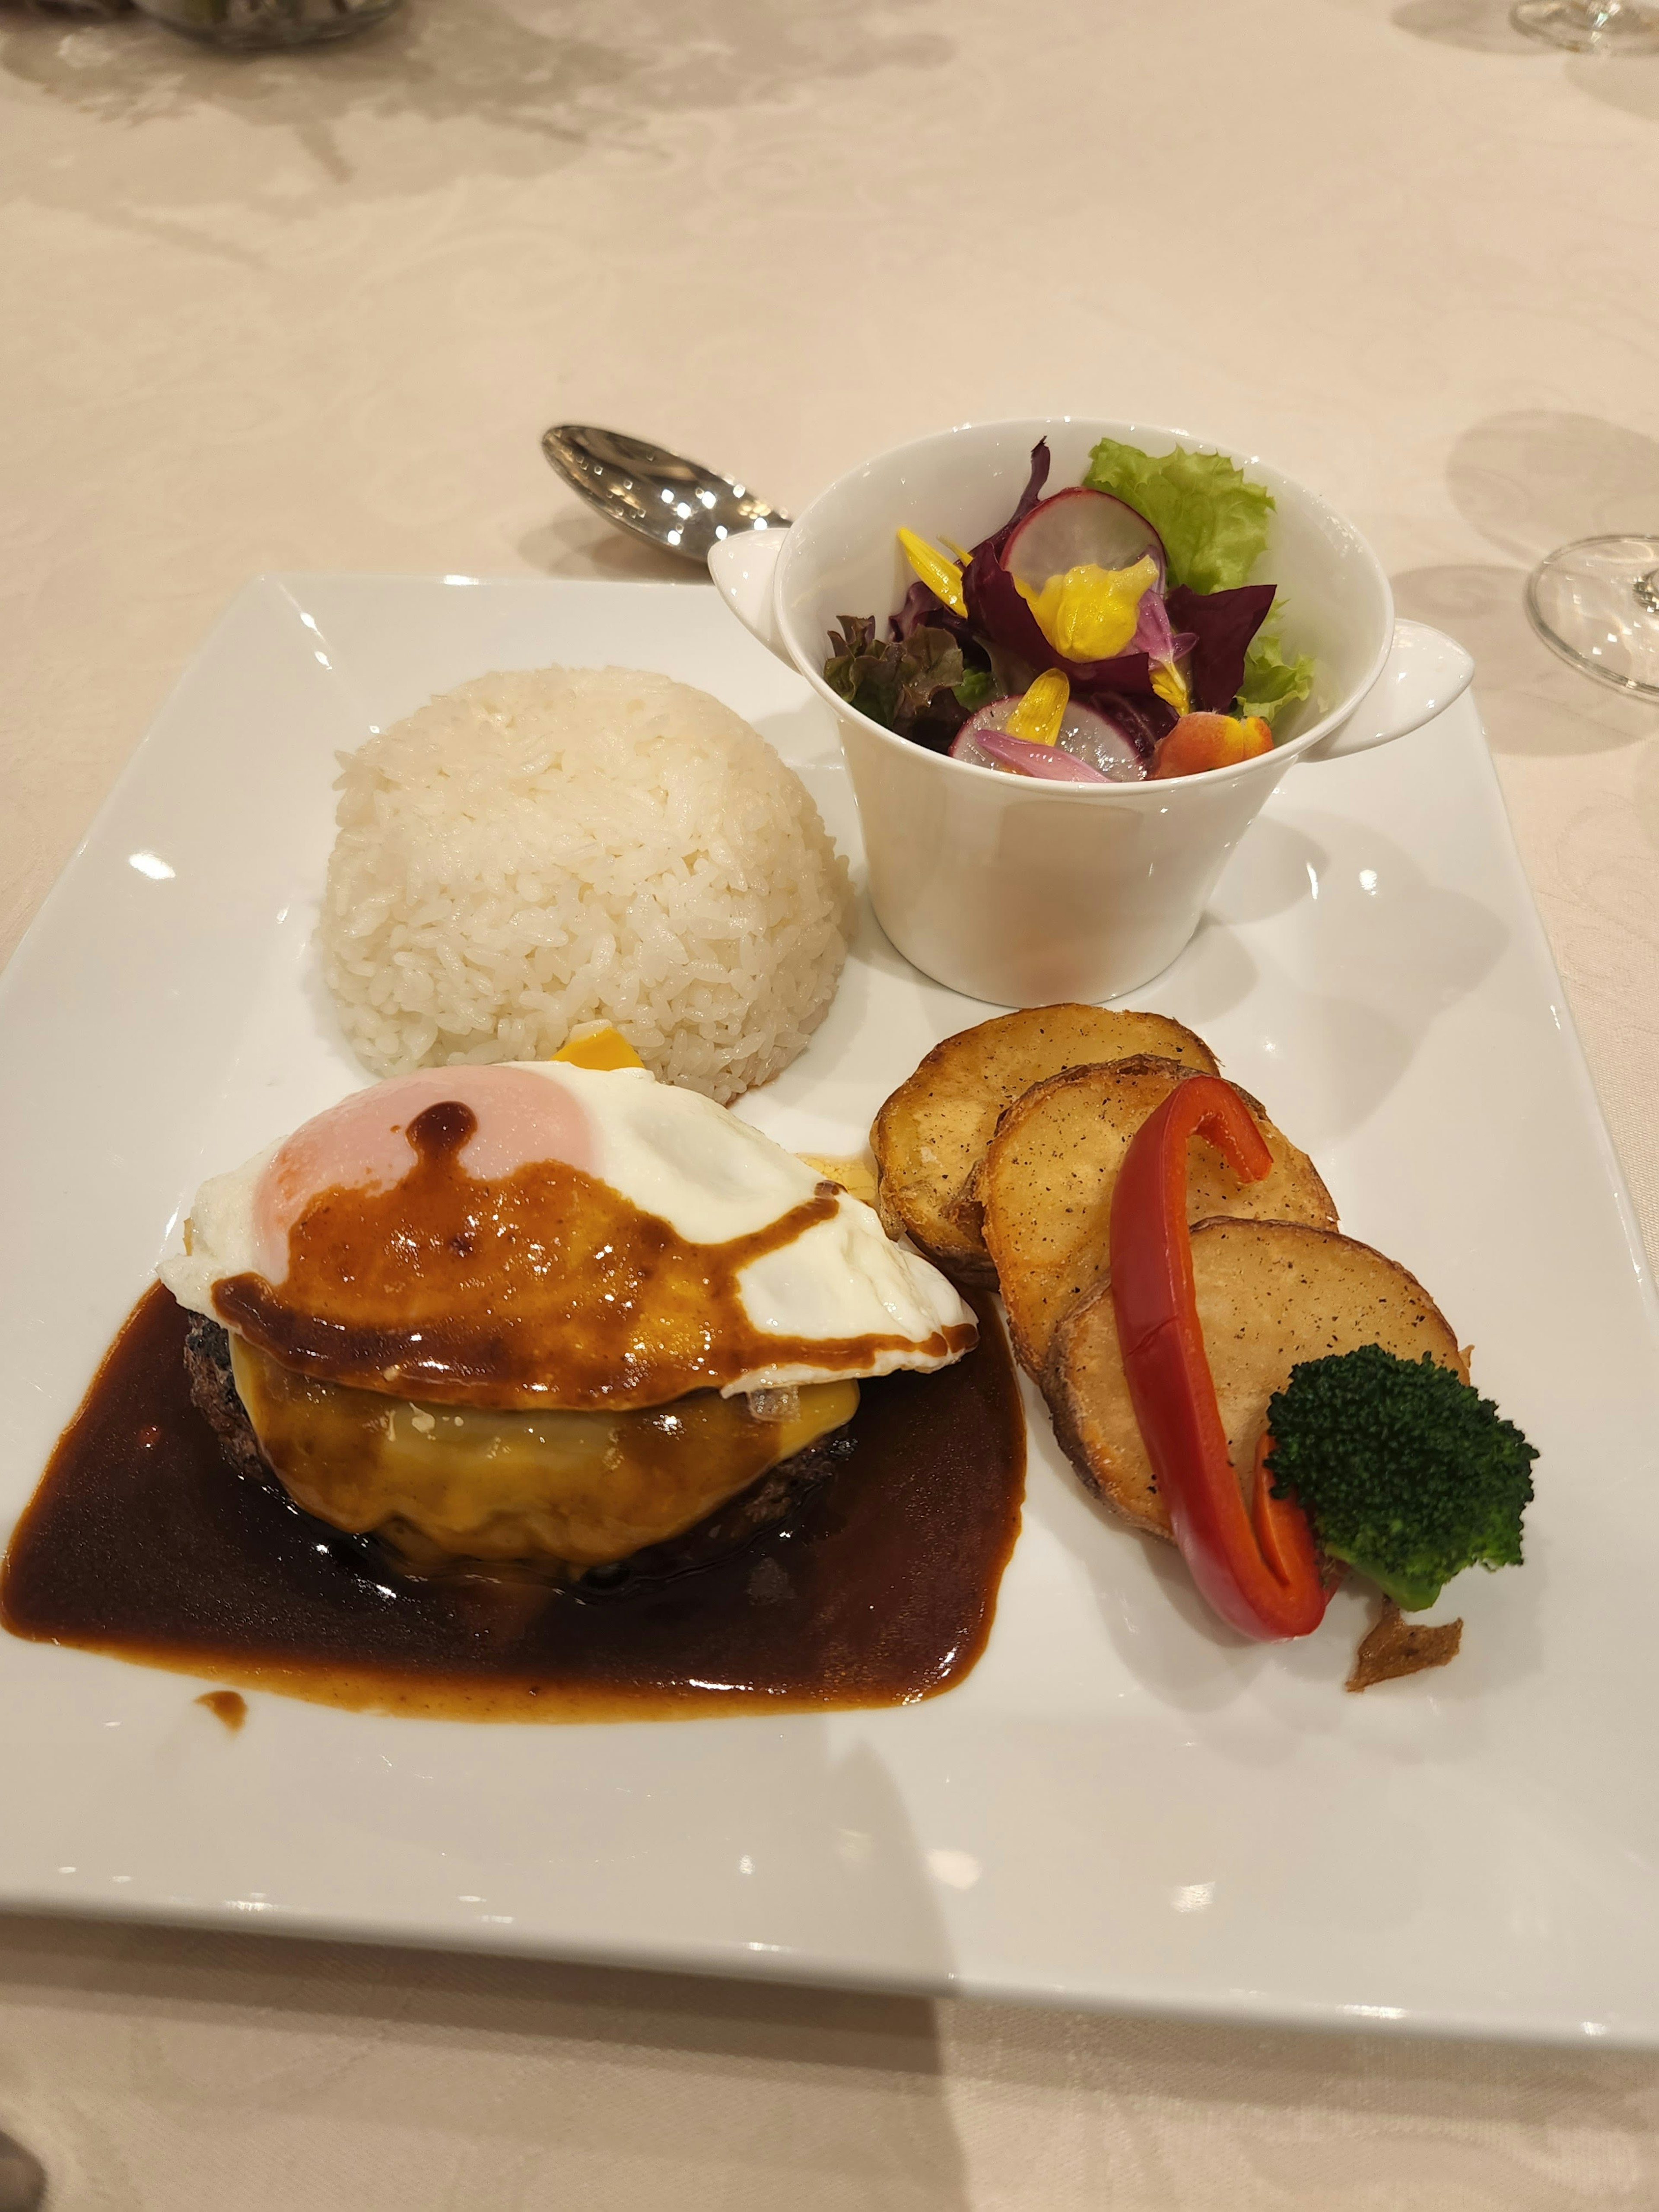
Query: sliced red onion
{"points": [[1153, 635], [1088, 748], [1047, 763], [1076, 528]]}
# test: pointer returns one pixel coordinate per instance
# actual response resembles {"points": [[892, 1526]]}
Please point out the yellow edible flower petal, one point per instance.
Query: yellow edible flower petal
{"points": [[1039, 715], [1170, 685], [1089, 613], [597, 1044], [942, 577]]}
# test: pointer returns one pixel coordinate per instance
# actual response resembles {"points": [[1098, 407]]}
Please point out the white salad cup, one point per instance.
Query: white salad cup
{"points": [[1023, 892]]}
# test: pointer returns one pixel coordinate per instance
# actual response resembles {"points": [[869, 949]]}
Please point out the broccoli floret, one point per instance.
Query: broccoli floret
{"points": [[1404, 1471]]}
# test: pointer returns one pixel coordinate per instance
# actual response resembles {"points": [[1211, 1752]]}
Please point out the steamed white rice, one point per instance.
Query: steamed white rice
{"points": [[565, 845]]}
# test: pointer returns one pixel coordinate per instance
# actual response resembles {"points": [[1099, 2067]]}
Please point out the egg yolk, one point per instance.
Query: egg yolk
{"points": [[597, 1044]]}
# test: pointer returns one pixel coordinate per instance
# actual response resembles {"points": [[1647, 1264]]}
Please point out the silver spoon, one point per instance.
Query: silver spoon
{"points": [[23, 2178], [655, 494]]}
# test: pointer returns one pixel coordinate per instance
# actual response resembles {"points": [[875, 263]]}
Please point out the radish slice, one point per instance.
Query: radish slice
{"points": [[1088, 748], [1075, 529], [1099, 743]]}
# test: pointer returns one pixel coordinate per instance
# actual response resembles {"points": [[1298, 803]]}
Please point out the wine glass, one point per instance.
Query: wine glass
{"points": [[1590, 27], [1597, 603]]}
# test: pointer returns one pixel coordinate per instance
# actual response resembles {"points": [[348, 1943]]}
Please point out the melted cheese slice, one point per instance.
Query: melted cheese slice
{"points": [[581, 1489]]}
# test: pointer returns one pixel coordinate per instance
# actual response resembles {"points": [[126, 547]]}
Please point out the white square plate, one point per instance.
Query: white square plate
{"points": [[1120, 1806]]}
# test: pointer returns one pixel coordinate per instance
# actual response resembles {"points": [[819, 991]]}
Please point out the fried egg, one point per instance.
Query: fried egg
{"points": [[461, 1300]]}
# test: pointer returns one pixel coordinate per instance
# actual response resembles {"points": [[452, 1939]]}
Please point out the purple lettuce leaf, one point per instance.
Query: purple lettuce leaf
{"points": [[923, 609], [996, 607], [1041, 461], [920, 606], [990, 590], [943, 713], [1222, 623]]}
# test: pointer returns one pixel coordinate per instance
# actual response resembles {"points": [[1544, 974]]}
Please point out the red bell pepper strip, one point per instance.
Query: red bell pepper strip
{"points": [[1257, 1569]]}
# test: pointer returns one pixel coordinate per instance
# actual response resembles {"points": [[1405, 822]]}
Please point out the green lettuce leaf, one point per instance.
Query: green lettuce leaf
{"points": [[975, 689], [1271, 682], [1214, 525]]}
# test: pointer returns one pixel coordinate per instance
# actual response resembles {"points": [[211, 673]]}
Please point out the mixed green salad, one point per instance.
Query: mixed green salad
{"points": [[1105, 633]]}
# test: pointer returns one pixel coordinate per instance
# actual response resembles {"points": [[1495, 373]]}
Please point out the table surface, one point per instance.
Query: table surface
{"points": [[313, 312]]}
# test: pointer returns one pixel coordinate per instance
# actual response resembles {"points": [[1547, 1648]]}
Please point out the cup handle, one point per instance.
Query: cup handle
{"points": [[1425, 671], [745, 568]]}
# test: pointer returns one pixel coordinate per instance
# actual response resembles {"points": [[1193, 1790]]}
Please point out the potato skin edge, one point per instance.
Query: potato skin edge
{"points": [[1061, 1396], [1012, 1121], [955, 1248]]}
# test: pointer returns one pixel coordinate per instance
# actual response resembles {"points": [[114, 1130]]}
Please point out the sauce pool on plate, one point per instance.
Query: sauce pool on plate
{"points": [[877, 1588]]}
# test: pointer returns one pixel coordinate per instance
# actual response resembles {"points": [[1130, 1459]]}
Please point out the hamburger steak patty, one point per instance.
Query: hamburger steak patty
{"points": [[767, 1500], [213, 1392]]}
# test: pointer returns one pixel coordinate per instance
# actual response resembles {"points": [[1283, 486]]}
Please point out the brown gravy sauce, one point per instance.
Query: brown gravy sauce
{"points": [[879, 1589], [448, 1286], [229, 1706]]}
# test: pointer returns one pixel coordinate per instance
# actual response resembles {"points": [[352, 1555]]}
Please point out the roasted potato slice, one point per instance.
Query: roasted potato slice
{"points": [[1045, 1186], [930, 1136], [1270, 1293]]}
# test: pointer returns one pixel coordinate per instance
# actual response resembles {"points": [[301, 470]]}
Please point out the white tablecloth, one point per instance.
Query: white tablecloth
{"points": [[313, 312]]}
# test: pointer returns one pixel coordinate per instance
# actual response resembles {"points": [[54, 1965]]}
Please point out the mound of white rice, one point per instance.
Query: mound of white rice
{"points": [[565, 845]]}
